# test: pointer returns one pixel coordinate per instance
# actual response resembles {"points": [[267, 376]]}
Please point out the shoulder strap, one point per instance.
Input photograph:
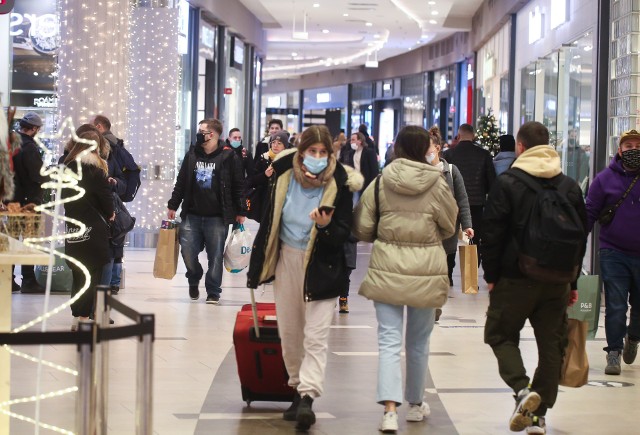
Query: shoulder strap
{"points": [[626, 193], [526, 179], [376, 194]]}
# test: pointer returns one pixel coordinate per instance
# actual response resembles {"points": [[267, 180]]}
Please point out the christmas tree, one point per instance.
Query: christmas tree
{"points": [[488, 133]]}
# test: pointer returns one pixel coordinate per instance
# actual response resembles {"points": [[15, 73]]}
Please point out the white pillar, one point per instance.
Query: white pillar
{"points": [[93, 61]]}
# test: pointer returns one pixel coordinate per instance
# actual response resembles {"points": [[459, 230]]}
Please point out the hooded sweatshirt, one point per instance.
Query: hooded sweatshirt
{"points": [[607, 189]]}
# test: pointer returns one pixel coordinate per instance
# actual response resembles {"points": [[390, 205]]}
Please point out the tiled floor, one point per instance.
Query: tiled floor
{"points": [[196, 389]]}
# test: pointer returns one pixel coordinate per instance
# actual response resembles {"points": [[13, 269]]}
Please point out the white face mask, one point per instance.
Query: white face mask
{"points": [[431, 157], [354, 146]]}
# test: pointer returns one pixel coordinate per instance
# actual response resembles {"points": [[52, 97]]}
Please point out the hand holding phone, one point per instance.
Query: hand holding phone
{"points": [[326, 209]]}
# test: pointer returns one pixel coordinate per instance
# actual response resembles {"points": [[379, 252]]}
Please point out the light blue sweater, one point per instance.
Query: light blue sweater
{"points": [[296, 224]]}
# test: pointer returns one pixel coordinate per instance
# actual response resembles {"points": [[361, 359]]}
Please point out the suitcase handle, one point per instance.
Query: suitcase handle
{"points": [[254, 311]]}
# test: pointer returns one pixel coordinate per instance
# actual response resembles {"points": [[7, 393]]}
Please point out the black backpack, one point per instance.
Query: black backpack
{"points": [[130, 170], [551, 245]]}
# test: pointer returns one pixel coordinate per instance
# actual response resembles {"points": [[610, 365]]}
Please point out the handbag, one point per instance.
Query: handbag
{"points": [[608, 213], [587, 307], [123, 221]]}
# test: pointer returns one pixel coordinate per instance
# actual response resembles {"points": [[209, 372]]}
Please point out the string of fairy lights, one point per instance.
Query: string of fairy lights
{"points": [[154, 72], [60, 177]]}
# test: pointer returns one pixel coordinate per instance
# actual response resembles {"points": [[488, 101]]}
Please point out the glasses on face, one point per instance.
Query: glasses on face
{"points": [[204, 132]]}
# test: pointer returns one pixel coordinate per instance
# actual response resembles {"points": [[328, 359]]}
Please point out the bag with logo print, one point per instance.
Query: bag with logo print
{"points": [[237, 253], [587, 307]]}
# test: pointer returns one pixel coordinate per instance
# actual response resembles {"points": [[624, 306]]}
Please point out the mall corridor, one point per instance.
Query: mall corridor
{"points": [[196, 386]]}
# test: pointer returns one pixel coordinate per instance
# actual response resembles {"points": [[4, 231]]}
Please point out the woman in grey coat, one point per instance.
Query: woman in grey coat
{"points": [[456, 184]]}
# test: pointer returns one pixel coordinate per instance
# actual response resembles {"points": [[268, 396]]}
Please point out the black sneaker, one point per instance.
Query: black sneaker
{"points": [[305, 416], [15, 287], [214, 300], [114, 290], [291, 413], [31, 286], [194, 293], [630, 350]]}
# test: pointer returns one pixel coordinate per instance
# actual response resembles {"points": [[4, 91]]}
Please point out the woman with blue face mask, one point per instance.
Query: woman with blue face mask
{"points": [[234, 142], [300, 246]]}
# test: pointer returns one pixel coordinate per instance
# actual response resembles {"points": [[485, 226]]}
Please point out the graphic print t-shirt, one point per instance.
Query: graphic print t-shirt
{"points": [[205, 194]]}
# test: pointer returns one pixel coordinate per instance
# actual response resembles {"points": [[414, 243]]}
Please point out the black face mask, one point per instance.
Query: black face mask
{"points": [[200, 139], [631, 158]]}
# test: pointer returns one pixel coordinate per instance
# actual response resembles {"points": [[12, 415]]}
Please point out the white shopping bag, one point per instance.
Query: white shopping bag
{"points": [[237, 253]]}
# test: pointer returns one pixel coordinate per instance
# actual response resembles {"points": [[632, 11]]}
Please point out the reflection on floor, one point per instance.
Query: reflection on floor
{"points": [[196, 389]]}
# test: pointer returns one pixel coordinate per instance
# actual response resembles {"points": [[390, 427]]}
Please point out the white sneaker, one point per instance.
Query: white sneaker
{"points": [[538, 426], [389, 422], [418, 412], [74, 324], [527, 402]]}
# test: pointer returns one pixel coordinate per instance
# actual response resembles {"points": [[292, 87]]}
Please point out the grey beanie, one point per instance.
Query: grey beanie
{"points": [[282, 136], [32, 118]]}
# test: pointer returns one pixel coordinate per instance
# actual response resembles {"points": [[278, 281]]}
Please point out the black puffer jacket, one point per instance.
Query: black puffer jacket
{"points": [[231, 182], [92, 247], [28, 181], [476, 166], [326, 271]]}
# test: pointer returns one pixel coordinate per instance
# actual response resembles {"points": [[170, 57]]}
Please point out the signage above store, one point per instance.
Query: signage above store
{"points": [[323, 97], [559, 13], [27, 99], [536, 31]]}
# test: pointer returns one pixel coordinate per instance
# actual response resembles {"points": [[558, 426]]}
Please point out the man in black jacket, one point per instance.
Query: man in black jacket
{"points": [[28, 184], [513, 297], [476, 166], [210, 187], [275, 125]]}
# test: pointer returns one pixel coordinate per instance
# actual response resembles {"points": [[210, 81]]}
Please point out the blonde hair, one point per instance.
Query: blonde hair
{"points": [[77, 148]]}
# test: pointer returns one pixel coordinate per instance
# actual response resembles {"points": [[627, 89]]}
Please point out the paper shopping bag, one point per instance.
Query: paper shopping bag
{"points": [[575, 367], [166, 262], [587, 307], [469, 268]]}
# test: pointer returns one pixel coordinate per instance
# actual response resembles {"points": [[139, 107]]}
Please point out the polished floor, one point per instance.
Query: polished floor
{"points": [[196, 389]]}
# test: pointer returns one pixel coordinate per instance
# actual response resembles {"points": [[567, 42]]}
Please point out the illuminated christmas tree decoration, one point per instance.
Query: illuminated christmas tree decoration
{"points": [[488, 133]]}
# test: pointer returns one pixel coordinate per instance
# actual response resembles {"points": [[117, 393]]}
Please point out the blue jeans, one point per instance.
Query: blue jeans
{"points": [[112, 273], [420, 323], [107, 273], [198, 233], [621, 277]]}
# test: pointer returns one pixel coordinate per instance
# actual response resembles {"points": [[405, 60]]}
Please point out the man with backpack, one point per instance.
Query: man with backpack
{"points": [[124, 173], [535, 238]]}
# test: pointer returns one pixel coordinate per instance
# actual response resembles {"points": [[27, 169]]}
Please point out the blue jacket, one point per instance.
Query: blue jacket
{"points": [[502, 161]]}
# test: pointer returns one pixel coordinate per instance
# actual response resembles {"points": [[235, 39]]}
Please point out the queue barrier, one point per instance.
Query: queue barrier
{"points": [[92, 340]]}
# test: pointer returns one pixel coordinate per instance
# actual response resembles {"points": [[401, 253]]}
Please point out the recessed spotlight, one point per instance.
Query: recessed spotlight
{"points": [[433, 22], [345, 15], [294, 54], [325, 30], [376, 36], [434, 12], [316, 5], [369, 24], [432, 3]]}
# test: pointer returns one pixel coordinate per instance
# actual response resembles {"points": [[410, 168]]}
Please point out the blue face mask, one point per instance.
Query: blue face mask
{"points": [[315, 165], [235, 143]]}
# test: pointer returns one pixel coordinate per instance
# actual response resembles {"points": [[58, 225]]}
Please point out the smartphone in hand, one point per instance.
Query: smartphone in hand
{"points": [[326, 209]]}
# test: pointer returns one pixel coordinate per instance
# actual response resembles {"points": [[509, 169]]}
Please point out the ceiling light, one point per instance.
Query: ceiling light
{"points": [[345, 15], [371, 64], [434, 12], [587, 48], [316, 5], [325, 30], [369, 24], [433, 22], [432, 3], [376, 36], [294, 54]]}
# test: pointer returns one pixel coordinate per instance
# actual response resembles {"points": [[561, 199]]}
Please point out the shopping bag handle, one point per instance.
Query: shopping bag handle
{"points": [[471, 242], [237, 226]]}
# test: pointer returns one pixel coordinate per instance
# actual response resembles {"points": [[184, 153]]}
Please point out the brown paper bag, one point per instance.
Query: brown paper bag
{"points": [[469, 268], [166, 262], [575, 367]]}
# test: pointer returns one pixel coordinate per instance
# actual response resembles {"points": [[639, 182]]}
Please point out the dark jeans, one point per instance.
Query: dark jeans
{"points": [[511, 303], [476, 220], [198, 233], [83, 307], [621, 277], [112, 273]]}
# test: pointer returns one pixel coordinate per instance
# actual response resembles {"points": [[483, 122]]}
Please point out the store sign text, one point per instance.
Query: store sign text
{"points": [[45, 102]]}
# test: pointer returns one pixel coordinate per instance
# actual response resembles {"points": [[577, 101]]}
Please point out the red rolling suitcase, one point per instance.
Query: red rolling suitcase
{"points": [[263, 376]]}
